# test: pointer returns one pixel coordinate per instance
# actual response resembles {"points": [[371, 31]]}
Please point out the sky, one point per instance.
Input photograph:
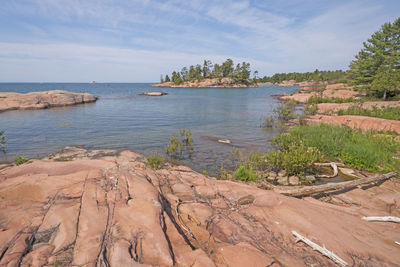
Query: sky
{"points": [[136, 41]]}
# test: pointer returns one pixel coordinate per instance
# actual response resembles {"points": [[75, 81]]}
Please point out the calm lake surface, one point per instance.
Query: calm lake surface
{"points": [[122, 119]]}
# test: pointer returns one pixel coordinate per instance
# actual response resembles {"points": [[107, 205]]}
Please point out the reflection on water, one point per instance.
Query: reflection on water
{"points": [[123, 119]]}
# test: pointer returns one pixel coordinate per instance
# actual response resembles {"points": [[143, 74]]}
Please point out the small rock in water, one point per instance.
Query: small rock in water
{"points": [[224, 141], [282, 180], [154, 93], [294, 180]]}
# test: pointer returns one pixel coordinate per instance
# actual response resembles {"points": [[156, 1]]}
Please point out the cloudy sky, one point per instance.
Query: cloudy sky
{"points": [[136, 41]]}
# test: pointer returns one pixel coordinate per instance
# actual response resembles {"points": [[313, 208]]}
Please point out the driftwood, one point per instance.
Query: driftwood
{"points": [[398, 243], [317, 189], [382, 219], [330, 164], [320, 249]]}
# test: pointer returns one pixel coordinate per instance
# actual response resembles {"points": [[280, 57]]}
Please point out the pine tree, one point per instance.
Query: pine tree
{"points": [[377, 65]]}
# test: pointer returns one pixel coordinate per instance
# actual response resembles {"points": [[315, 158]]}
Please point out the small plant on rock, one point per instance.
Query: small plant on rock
{"points": [[155, 161], [245, 174], [18, 160], [2, 141]]}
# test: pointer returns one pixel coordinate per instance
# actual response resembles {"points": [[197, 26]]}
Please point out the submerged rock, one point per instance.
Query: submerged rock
{"points": [[42, 100], [116, 211]]}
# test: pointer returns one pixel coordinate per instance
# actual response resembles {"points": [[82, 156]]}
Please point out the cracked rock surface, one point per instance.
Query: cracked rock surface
{"points": [[42, 100], [116, 211]]}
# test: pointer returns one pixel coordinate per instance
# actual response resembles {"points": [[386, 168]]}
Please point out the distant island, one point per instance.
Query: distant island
{"points": [[225, 75]]}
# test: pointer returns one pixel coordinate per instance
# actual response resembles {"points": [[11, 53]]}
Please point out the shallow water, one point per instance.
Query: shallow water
{"points": [[122, 119]]}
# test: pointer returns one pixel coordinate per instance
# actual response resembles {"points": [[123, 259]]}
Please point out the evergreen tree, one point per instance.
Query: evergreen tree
{"points": [[377, 65], [167, 78]]}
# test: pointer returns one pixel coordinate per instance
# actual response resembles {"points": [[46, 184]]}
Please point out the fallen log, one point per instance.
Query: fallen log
{"points": [[382, 219], [320, 249], [317, 189]]}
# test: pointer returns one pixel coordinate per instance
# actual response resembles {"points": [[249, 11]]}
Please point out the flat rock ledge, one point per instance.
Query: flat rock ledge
{"points": [[115, 211], [359, 122], [42, 100]]}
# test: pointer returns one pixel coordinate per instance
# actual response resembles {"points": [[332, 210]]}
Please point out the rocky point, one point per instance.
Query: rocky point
{"points": [[80, 208]]}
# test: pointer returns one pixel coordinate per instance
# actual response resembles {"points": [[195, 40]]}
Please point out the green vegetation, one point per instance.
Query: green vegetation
{"points": [[268, 122], [245, 174], [361, 150], [2, 141], [20, 160], [376, 67], [390, 113], [296, 158], [318, 100], [307, 76], [311, 109], [240, 72], [178, 146], [155, 161]]}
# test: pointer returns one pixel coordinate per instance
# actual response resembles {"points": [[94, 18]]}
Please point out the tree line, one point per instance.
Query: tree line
{"points": [[227, 69], [317, 75]]}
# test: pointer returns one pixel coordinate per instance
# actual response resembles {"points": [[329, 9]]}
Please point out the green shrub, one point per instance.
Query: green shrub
{"points": [[2, 140], [311, 109], [20, 160], [319, 99], [296, 159], [284, 113], [245, 174], [178, 148], [390, 113], [268, 122], [155, 161]]}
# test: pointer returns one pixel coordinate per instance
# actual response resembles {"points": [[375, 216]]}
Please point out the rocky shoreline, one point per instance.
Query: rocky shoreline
{"points": [[210, 83], [42, 100], [103, 208]]}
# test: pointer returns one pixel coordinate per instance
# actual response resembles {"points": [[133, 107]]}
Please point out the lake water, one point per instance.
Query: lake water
{"points": [[122, 119]]}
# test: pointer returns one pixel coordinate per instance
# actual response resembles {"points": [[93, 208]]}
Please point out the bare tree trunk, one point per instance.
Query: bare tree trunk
{"points": [[384, 95], [317, 189]]}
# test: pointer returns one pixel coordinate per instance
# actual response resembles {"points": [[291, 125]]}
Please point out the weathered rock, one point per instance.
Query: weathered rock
{"points": [[41, 100], [294, 180], [328, 108], [310, 178], [361, 122], [299, 97], [116, 211], [282, 173], [282, 180]]}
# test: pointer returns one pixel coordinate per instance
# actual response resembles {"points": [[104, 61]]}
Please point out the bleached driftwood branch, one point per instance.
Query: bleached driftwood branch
{"points": [[320, 249], [317, 189], [382, 219], [331, 164]]}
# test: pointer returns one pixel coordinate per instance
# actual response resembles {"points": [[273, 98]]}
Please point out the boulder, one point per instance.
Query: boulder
{"points": [[282, 180], [294, 180]]}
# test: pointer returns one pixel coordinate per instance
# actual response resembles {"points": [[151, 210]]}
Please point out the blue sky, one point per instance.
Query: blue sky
{"points": [[136, 41]]}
